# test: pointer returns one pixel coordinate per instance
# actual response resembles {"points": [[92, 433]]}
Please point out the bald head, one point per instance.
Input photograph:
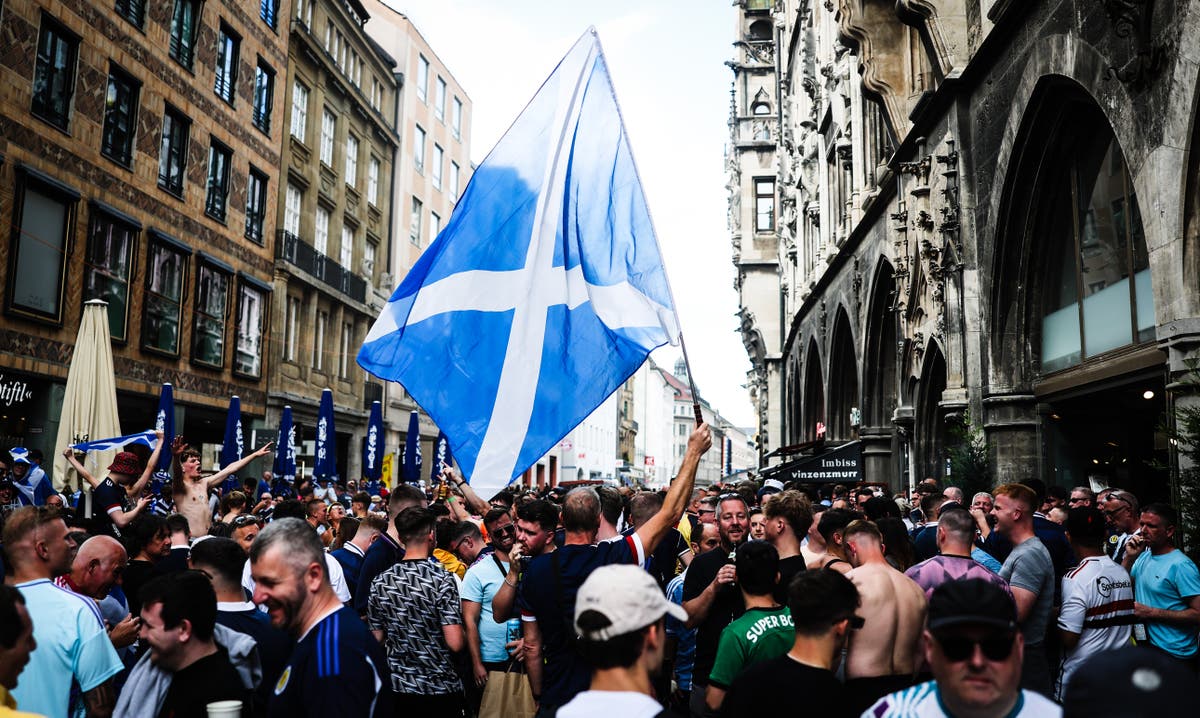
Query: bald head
{"points": [[581, 511], [98, 565]]}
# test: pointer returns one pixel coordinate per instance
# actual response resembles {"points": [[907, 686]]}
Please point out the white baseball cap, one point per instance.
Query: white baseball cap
{"points": [[627, 596]]}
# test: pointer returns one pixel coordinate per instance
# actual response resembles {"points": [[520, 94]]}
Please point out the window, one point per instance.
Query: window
{"points": [[299, 110], [184, 20], [172, 154], [764, 205], [414, 222], [256, 205], [419, 149], [264, 95], [219, 157], [438, 156], [132, 10], [453, 192], [328, 128], [163, 309], [54, 73], [318, 358], [369, 250], [107, 267], [291, 333], [304, 10], [439, 100], [373, 181], [225, 84], [456, 119], [346, 255], [36, 280], [268, 10], [321, 234], [376, 93], [422, 78], [291, 210], [212, 294], [120, 111], [247, 353], [351, 160], [1099, 296], [344, 354], [435, 226]]}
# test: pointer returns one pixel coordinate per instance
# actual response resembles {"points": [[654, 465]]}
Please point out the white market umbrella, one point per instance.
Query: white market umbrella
{"points": [[89, 409]]}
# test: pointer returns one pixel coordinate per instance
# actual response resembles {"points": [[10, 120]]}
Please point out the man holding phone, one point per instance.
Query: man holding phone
{"points": [[1166, 586]]}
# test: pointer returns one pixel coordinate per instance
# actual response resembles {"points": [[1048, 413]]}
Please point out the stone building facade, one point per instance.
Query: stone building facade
{"points": [[334, 206], [139, 145], [995, 226], [433, 166]]}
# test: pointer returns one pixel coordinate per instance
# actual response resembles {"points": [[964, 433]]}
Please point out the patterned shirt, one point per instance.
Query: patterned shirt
{"points": [[410, 602], [934, 572], [924, 701]]}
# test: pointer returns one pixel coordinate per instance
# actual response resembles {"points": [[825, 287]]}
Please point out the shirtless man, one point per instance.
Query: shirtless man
{"points": [[830, 527], [190, 489], [885, 655]]}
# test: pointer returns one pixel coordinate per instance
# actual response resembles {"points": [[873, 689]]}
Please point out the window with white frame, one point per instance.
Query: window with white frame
{"points": [[328, 129], [435, 226], [291, 333], [438, 161], [453, 190], [414, 222], [299, 110], [456, 118], [247, 353], [291, 210], [373, 181], [419, 149], [346, 348], [318, 356], [422, 78], [369, 251], [346, 257], [321, 235], [351, 160], [439, 99]]}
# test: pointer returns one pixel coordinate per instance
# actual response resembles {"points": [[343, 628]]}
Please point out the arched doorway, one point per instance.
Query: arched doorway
{"points": [[882, 447], [843, 380], [930, 425], [814, 393], [1073, 314]]}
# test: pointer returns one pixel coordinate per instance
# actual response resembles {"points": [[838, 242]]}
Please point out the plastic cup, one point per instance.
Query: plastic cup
{"points": [[225, 709]]}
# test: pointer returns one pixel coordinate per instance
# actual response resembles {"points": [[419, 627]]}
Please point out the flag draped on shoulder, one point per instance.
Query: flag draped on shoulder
{"points": [[545, 291]]}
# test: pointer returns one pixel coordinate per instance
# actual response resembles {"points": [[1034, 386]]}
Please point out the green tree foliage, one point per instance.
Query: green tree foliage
{"points": [[967, 450]]}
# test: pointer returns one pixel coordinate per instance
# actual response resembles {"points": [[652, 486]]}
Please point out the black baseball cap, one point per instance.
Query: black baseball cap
{"points": [[1130, 682], [973, 602]]}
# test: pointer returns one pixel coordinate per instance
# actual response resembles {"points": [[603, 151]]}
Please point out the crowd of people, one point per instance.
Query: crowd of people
{"points": [[199, 594]]}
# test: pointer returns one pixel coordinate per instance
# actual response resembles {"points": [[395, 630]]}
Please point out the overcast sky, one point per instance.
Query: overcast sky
{"points": [[666, 59]]}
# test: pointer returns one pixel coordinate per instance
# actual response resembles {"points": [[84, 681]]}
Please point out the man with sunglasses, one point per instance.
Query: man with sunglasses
{"points": [[1082, 497], [1121, 512], [488, 641], [245, 530], [975, 651]]}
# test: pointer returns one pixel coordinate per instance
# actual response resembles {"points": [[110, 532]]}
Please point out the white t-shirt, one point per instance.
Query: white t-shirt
{"points": [[337, 578], [922, 701], [610, 704], [1097, 603]]}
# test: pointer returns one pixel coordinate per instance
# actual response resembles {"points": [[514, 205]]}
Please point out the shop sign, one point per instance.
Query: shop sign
{"points": [[14, 390]]}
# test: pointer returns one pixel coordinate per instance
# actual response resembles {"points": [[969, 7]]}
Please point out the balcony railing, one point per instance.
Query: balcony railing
{"points": [[306, 257]]}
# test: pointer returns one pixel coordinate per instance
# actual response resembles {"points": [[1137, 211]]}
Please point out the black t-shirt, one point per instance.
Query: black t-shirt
{"points": [[274, 646], [136, 574], [782, 686], [208, 680], [788, 568], [105, 497], [726, 606]]}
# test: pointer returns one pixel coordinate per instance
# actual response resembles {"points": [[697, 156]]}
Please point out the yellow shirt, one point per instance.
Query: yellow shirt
{"points": [[8, 706], [450, 562]]}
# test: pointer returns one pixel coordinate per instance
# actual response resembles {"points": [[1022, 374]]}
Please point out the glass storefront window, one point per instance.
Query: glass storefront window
{"points": [[1097, 297]]}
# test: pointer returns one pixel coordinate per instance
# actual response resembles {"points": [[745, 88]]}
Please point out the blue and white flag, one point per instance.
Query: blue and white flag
{"points": [[372, 465], [284, 467], [231, 444], [545, 291], [145, 438], [164, 421], [410, 456], [325, 461], [442, 456]]}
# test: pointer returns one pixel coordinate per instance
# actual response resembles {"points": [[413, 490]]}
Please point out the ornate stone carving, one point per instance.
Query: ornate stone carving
{"points": [[1134, 19]]}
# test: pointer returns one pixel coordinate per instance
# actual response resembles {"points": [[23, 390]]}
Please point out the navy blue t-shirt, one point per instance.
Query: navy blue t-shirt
{"points": [[274, 646], [351, 562], [552, 605], [382, 555], [337, 669], [106, 496]]}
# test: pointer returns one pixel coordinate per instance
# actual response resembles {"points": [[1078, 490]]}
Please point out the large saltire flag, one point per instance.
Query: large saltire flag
{"points": [[545, 291]]}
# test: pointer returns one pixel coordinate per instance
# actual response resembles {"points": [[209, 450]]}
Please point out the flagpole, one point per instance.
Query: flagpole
{"points": [[650, 216]]}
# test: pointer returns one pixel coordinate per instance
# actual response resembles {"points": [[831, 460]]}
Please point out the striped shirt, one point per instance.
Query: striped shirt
{"points": [[1097, 603], [925, 701]]}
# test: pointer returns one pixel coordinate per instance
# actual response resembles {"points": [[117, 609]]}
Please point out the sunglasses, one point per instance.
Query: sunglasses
{"points": [[961, 648], [240, 521], [502, 530]]}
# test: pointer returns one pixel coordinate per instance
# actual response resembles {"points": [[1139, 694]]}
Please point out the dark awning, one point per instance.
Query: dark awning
{"points": [[842, 464]]}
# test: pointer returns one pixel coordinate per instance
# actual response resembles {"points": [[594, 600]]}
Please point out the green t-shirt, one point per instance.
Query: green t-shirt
{"points": [[759, 634]]}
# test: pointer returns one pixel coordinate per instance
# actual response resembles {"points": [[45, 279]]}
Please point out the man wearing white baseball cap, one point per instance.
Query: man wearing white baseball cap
{"points": [[619, 614]]}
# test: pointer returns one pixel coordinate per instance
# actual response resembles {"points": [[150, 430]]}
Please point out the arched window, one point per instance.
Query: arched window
{"points": [[760, 30], [1097, 295], [761, 108]]}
